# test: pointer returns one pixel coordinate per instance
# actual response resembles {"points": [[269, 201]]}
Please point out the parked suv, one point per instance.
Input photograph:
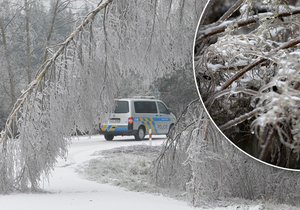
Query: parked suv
{"points": [[135, 116]]}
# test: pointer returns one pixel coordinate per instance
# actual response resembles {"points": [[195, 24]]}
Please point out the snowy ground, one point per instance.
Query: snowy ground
{"points": [[67, 190], [130, 167]]}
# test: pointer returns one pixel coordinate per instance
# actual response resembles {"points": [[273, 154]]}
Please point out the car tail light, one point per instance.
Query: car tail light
{"points": [[130, 120]]}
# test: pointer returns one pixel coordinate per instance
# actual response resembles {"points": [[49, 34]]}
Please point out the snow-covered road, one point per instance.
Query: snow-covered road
{"points": [[67, 190]]}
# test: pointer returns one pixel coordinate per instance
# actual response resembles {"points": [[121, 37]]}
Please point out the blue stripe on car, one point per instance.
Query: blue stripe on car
{"points": [[121, 129], [157, 119]]}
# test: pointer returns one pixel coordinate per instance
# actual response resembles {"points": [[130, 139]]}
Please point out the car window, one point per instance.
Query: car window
{"points": [[162, 108], [122, 107], [145, 107]]}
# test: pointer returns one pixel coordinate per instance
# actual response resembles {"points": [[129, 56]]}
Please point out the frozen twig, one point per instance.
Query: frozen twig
{"points": [[232, 10], [239, 119], [221, 93]]}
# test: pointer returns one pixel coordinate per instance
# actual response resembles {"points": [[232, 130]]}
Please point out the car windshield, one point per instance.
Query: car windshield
{"points": [[122, 107]]}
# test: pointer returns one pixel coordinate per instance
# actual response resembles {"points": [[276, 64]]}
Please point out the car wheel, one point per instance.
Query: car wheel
{"points": [[171, 131], [140, 135], [108, 137]]}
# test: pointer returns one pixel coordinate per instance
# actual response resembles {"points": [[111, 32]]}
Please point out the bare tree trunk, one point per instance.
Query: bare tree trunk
{"points": [[12, 91], [51, 28], [181, 11], [28, 42]]}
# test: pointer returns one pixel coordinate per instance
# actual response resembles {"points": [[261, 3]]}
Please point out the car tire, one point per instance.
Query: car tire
{"points": [[140, 135], [108, 137], [171, 131]]}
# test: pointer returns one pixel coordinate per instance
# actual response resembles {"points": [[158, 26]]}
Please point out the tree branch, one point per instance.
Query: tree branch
{"points": [[232, 10], [239, 74], [211, 30], [239, 120], [218, 94], [7, 133]]}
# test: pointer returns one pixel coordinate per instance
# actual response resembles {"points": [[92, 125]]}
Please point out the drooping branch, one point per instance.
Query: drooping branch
{"points": [[8, 132], [29, 148]]}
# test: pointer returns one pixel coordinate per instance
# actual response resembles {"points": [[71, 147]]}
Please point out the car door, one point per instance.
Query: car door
{"points": [[145, 114], [164, 119]]}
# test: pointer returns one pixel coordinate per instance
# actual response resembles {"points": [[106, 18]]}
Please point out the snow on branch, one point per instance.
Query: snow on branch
{"points": [[220, 28], [248, 73], [47, 112]]}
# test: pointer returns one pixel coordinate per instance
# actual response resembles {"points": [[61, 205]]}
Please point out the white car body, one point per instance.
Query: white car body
{"points": [[136, 116]]}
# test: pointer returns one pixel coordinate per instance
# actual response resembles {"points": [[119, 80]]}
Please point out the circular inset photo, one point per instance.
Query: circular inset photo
{"points": [[247, 68]]}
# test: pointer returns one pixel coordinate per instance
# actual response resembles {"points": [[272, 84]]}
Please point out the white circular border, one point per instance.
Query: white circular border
{"points": [[195, 80]]}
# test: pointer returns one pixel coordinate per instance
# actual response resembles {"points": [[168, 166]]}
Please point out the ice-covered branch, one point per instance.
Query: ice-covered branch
{"points": [[261, 43], [8, 133], [221, 93], [239, 119], [239, 74], [220, 28], [41, 119], [233, 9]]}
